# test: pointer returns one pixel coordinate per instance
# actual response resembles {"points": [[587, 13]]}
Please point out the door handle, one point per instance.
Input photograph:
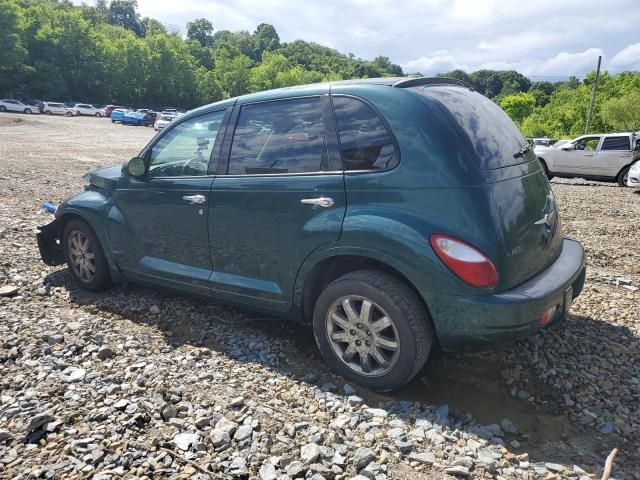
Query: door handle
{"points": [[624, 154], [587, 154], [324, 202], [193, 199]]}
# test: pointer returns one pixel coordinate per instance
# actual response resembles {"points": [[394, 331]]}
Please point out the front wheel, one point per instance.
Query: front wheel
{"points": [[85, 258], [27, 111], [98, 115], [47, 112], [3, 108], [69, 114], [623, 176], [372, 329]]}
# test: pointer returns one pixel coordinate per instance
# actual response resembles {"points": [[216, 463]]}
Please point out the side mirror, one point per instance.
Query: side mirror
{"points": [[136, 167], [568, 147]]}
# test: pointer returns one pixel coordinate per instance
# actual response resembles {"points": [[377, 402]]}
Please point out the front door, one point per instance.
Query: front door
{"points": [[282, 197], [159, 226], [582, 159]]}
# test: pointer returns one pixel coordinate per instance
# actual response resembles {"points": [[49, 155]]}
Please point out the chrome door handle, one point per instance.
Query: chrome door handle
{"points": [[587, 154], [192, 199], [325, 202]]}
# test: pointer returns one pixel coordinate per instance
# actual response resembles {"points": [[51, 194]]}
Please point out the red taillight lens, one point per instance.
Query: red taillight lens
{"points": [[467, 262]]}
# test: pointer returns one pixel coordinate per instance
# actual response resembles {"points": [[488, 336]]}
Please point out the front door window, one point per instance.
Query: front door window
{"points": [[185, 150]]}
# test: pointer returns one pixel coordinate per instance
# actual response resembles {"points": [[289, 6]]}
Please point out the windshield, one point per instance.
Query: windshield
{"points": [[491, 134]]}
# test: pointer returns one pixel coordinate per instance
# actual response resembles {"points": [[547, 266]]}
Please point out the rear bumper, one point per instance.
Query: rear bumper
{"points": [[483, 322], [49, 244]]}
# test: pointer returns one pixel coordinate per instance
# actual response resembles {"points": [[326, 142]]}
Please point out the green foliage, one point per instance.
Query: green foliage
{"points": [[518, 106], [106, 53], [623, 113], [200, 30]]}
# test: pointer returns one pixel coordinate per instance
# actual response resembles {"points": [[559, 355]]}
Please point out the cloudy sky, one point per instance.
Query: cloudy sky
{"points": [[540, 38]]}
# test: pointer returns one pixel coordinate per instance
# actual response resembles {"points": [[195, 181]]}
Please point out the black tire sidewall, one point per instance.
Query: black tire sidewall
{"points": [[102, 279], [405, 367], [621, 175]]}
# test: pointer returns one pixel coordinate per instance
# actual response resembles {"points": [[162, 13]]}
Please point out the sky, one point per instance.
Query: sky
{"points": [[539, 38]]}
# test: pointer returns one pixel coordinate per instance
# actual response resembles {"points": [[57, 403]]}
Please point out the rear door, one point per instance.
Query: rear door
{"points": [[614, 154], [280, 198]]}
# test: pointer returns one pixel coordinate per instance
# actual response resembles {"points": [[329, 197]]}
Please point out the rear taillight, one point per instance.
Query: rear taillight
{"points": [[467, 262]]}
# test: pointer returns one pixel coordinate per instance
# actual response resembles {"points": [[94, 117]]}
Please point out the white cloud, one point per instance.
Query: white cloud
{"points": [[628, 58]]}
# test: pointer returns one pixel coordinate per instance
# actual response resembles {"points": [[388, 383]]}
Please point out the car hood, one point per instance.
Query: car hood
{"points": [[104, 178]]}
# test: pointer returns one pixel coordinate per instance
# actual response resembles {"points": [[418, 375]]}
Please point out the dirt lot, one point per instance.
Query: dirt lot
{"points": [[138, 383]]}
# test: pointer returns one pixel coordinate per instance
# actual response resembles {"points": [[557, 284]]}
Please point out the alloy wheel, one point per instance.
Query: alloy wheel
{"points": [[81, 256], [363, 336]]}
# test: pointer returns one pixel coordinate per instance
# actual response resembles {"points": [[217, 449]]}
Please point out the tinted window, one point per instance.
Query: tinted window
{"points": [[185, 149], [616, 143], [364, 140], [491, 133], [279, 137], [588, 143]]}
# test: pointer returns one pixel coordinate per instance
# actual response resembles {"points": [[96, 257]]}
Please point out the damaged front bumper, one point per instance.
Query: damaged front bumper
{"points": [[50, 243]]}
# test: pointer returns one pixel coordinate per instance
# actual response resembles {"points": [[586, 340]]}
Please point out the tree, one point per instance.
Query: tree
{"points": [[518, 106], [124, 14], [487, 82], [266, 39], [12, 51], [623, 113], [151, 26], [200, 30]]}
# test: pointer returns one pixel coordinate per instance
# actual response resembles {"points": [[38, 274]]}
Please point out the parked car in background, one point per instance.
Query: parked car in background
{"points": [[117, 114], [162, 121], [150, 118], [109, 108], [598, 157], [543, 142], [39, 104], [56, 108], [132, 118], [86, 109], [371, 209], [11, 105], [633, 178]]}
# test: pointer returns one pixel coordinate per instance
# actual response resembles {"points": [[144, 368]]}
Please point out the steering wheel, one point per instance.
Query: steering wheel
{"points": [[195, 167]]}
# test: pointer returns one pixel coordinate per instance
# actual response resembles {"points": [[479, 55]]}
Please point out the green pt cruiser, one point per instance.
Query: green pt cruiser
{"points": [[393, 214]]}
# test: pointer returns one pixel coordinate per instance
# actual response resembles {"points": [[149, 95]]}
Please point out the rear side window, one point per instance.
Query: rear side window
{"points": [[616, 143], [365, 142], [493, 137], [285, 136]]}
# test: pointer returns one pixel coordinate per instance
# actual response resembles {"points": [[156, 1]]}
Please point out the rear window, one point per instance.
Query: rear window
{"points": [[616, 143], [493, 137]]}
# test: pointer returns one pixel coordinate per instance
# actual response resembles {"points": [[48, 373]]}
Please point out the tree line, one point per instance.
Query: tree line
{"points": [[108, 53], [560, 109]]}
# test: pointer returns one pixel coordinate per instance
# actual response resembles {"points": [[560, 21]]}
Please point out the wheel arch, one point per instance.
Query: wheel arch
{"points": [[312, 281]]}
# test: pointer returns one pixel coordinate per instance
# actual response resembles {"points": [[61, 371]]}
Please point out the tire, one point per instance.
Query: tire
{"points": [[77, 114], [76, 253], [27, 111], [98, 114], [623, 175], [3, 108], [408, 327], [47, 112], [69, 114], [545, 168], [113, 121]]}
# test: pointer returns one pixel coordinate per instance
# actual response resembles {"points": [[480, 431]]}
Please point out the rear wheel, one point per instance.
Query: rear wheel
{"points": [[3, 108], [372, 329], [47, 112], [69, 114], [85, 258], [98, 114], [623, 176], [545, 168], [27, 110]]}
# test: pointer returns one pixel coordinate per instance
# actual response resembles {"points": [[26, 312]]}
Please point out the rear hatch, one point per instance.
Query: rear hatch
{"points": [[525, 216]]}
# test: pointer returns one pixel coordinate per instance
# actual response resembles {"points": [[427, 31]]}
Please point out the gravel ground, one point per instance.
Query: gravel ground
{"points": [[140, 383]]}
